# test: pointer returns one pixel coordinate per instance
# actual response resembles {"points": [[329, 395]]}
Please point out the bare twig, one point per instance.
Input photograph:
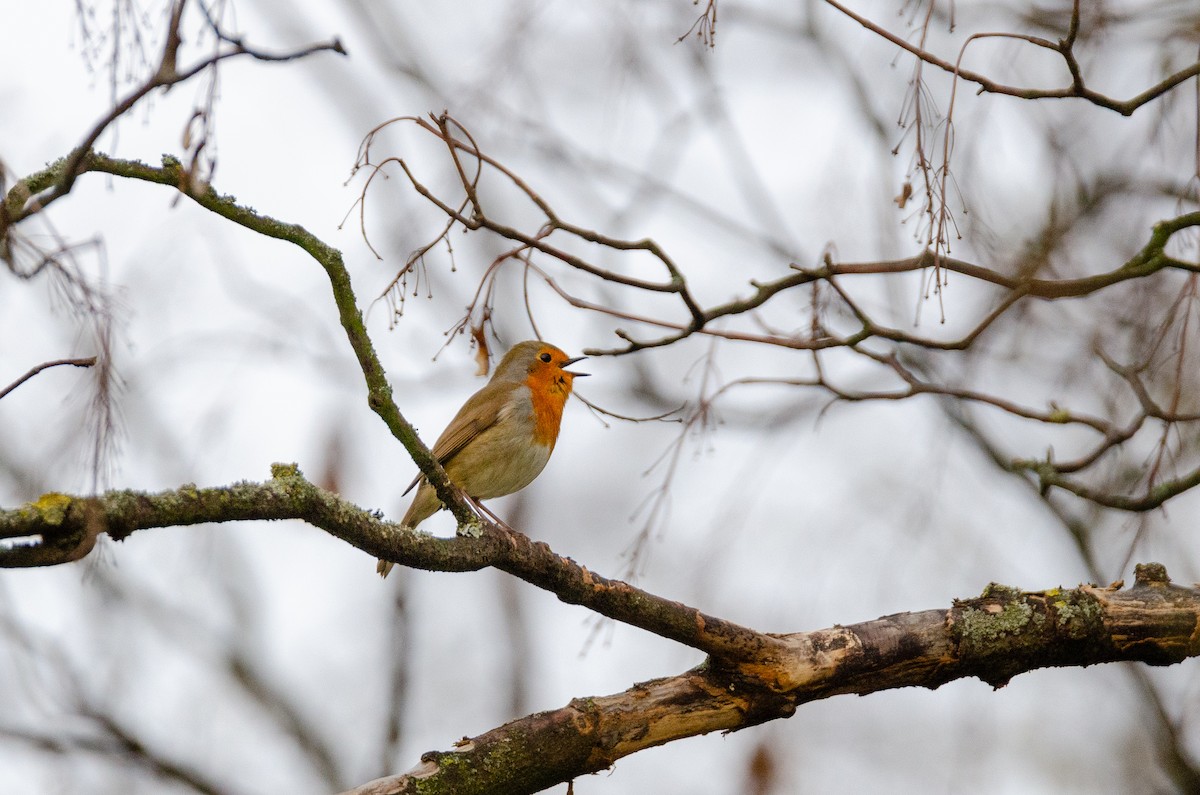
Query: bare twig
{"points": [[88, 362], [167, 75]]}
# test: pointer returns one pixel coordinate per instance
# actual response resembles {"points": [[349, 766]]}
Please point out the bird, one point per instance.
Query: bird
{"points": [[502, 437]]}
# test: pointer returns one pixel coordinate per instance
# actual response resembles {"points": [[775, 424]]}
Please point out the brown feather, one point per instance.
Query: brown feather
{"points": [[479, 413]]}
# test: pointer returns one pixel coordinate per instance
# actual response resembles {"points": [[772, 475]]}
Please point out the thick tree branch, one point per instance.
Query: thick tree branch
{"points": [[994, 637]]}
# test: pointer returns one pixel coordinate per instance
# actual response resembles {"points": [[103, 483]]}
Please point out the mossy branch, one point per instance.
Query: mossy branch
{"points": [[58, 528]]}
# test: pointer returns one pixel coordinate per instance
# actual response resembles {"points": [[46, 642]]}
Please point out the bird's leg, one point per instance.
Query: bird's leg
{"points": [[479, 506]]}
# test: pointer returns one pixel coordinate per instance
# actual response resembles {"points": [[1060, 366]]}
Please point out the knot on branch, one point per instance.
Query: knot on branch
{"points": [[1149, 574], [758, 698]]}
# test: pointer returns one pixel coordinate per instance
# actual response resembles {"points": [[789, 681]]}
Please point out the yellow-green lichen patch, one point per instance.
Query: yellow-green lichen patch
{"points": [[471, 529], [52, 507], [1076, 615], [979, 628], [281, 471], [995, 625]]}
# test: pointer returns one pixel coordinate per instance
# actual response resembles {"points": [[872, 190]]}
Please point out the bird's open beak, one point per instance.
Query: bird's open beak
{"points": [[570, 362]]}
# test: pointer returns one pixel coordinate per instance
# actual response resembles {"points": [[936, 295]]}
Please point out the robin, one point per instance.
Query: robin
{"points": [[502, 437]]}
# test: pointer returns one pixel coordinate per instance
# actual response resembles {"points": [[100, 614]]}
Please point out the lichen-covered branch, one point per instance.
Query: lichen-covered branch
{"points": [[994, 637], [59, 528]]}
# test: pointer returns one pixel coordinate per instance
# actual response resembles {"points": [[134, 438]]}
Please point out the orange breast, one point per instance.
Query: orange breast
{"points": [[548, 396]]}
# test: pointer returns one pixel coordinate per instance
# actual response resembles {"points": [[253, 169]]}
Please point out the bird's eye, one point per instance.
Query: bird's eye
{"points": [[545, 357]]}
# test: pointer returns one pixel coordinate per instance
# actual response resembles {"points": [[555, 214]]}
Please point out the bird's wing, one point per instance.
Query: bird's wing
{"points": [[480, 412]]}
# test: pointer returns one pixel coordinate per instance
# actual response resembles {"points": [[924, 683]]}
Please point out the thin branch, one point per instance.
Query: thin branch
{"points": [[59, 528], [118, 746], [1077, 89], [440, 126], [1049, 476], [88, 362], [1151, 259], [166, 76]]}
